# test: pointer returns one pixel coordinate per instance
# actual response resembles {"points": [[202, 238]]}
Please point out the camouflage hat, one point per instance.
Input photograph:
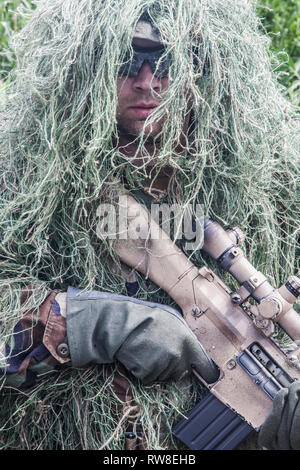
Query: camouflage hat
{"points": [[146, 35]]}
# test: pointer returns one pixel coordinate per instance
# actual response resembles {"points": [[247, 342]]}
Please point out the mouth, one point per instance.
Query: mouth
{"points": [[143, 109]]}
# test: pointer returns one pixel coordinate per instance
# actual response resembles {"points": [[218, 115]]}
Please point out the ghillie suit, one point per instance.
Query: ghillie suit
{"points": [[60, 159]]}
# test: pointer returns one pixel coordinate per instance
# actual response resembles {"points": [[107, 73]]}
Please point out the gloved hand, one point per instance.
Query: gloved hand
{"points": [[151, 340], [281, 429]]}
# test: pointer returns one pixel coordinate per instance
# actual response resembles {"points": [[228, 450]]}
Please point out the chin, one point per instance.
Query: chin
{"points": [[150, 131], [135, 129]]}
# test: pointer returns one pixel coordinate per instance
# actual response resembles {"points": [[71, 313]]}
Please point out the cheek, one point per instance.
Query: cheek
{"points": [[123, 91], [164, 83], [121, 83]]}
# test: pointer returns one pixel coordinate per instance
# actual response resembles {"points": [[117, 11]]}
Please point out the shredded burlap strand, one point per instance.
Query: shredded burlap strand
{"points": [[59, 159]]}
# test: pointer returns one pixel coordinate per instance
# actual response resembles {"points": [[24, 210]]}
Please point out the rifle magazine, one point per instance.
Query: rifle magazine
{"points": [[211, 425]]}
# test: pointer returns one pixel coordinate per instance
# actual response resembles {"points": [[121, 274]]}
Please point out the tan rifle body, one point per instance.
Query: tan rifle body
{"points": [[225, 322]]}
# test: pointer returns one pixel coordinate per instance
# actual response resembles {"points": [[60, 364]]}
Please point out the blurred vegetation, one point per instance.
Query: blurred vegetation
{"points": [[10, 21], [281, 20]]}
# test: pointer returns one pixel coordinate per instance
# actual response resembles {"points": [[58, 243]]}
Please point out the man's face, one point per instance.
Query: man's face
{"points": [[136, 101]]}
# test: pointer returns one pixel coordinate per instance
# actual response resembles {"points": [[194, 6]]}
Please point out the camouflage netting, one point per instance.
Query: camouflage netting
{"points": [[60, 159]]}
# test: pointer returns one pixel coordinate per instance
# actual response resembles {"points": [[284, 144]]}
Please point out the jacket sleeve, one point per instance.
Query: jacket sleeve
{"points": [[38, 344]]}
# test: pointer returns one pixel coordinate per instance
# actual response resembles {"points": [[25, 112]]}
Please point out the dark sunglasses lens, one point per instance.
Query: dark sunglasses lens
{"points": [[133, 62]]}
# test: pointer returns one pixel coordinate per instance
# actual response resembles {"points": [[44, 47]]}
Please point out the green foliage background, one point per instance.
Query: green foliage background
{"points": [[281, 20], [10, 21]]}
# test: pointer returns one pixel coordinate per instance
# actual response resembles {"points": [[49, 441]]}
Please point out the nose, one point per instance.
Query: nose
{"points": [[146, 80]]}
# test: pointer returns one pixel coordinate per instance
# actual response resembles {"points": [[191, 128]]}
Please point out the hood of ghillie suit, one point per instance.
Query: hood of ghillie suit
{"points": [[59, 141]]}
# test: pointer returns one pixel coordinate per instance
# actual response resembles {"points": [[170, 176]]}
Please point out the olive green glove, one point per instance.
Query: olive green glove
{"points": [[151, 340], [281, 429]]}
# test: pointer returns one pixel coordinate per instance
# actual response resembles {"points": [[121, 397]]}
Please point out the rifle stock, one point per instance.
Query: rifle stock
{"points": [[237, 335]]}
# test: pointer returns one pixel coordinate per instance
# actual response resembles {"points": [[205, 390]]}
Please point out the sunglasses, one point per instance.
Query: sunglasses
{"points": [[154, 56]]}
